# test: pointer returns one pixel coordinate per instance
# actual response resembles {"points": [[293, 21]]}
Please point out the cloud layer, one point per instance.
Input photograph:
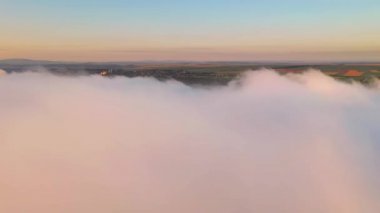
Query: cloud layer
{"points": [[265, 143], [2, 72]]}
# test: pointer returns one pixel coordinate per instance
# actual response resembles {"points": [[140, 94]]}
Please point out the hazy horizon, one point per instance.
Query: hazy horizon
{"points": [[300, 62], [189, 106]]}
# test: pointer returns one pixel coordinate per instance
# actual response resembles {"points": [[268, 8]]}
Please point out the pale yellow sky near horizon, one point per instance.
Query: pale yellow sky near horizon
{"points": [[247, 30]]}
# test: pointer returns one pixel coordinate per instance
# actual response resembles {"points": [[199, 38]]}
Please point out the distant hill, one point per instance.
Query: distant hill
{"points": [[18, 61]]}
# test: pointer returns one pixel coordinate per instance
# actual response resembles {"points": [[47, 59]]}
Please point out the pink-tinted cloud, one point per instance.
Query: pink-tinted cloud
{"points": [[265, 143]]}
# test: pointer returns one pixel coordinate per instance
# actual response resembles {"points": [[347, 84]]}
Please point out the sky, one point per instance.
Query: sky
{"points": [[128, 30]]}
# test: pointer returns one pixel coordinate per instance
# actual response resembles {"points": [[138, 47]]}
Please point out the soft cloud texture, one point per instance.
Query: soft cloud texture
{"points": [[265, 143], [2, 72]]}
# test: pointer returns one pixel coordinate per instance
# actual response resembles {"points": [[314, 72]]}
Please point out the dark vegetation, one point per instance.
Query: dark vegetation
{"points": [[205, 73]]}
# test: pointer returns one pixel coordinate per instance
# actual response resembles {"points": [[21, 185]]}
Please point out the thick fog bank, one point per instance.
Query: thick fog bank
{"points": [[266, 143]]}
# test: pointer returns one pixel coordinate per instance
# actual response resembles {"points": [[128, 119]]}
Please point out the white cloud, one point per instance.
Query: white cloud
{"points": [[2, 72], [268, 143]]}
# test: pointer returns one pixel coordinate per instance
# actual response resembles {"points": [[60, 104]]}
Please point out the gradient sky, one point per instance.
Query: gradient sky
{"points": [[114, 30]]}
